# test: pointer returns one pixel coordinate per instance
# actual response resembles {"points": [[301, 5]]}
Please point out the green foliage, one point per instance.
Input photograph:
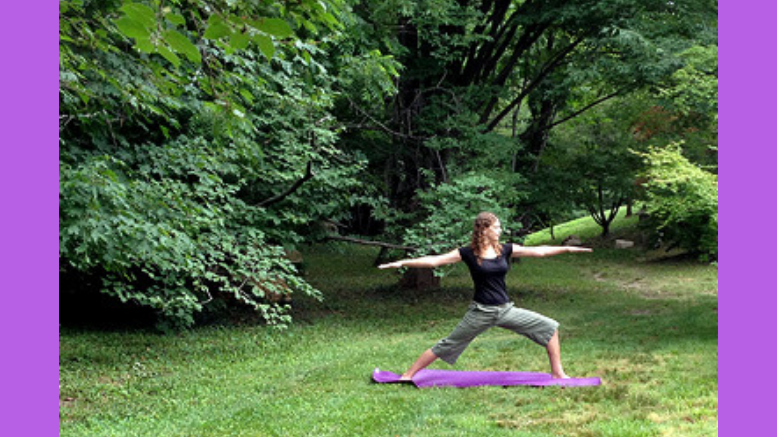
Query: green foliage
{"points": [[180, 143], [469, 65], [682, 199], [693, 89], [690, 96], [171, 232], [367, 78]]}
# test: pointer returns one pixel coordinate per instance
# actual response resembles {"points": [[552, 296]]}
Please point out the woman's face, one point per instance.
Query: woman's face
{"points": [[494, 231]]}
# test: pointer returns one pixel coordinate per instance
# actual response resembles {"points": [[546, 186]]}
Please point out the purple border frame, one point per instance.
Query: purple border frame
{"points": [[29, 220], [748, 93]]}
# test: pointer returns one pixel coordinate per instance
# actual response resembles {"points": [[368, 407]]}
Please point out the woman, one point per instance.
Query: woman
{"points": [[488, 264]]}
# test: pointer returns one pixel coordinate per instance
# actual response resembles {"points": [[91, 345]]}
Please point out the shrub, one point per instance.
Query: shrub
{"points": [[682, 201], [172, 238], [188, 165]]}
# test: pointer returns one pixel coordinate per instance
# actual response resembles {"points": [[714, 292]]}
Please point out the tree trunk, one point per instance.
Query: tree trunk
{"points": [[419, 279]]}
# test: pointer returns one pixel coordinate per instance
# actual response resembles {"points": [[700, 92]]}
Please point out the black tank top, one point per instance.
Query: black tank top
{"points": [[489, 275]]}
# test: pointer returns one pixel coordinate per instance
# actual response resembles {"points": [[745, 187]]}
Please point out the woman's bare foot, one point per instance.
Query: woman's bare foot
{"points": [[560, 376], [426, 358]]}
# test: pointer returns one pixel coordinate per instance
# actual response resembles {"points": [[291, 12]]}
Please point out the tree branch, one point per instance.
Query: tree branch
{"points": [[546, 70], [385, 128], [370, 243], [594, 214], [587, 107], [275, 199], [484, 53], [526, 41]]}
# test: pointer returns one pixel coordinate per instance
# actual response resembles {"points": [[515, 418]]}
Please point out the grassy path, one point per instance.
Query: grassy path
{"points": [[648, 329]]}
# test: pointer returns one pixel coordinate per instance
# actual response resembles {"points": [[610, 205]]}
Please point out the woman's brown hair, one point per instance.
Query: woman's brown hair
{"points": [[479, 243]]}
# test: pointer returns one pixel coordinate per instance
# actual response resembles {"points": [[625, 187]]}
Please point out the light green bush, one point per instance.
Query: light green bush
{"points": [[682, 201]]}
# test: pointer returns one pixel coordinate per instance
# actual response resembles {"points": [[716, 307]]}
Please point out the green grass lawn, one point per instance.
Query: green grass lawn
{"points": [[647, 327]]}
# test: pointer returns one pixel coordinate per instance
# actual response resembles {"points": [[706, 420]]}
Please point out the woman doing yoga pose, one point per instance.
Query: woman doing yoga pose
{"points": [[488, 263]]}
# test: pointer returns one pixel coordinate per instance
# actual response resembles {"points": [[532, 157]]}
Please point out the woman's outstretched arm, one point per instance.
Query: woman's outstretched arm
{"points": [[425, 261], [543, 251]]}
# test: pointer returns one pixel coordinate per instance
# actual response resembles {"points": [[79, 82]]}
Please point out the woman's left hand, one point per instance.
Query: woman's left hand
{"points": [[394, 265]]}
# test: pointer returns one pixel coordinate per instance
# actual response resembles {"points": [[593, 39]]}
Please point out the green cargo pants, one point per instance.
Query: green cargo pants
{"points": [[480, 317]]}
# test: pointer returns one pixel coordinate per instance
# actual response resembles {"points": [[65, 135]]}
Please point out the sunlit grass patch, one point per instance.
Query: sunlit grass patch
{"points": [[583, 227]]}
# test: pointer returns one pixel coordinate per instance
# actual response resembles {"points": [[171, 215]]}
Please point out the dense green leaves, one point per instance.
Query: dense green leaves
{"points": [[187, 186], [682, 200], [593, 157], [517, 70]]}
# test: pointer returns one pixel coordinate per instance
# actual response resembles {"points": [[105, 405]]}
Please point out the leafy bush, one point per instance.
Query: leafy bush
{"points": [[180, 143], [171, 234], [682, 201]]}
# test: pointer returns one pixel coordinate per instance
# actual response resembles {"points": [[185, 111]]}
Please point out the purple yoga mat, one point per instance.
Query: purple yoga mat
{"points": [[456, 378]]}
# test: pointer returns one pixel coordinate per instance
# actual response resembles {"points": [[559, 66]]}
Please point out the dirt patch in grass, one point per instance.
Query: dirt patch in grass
{"points": [[67, 402]]}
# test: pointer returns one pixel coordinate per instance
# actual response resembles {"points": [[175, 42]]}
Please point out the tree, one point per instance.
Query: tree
{"points": [[196, 147], [474, 70], [593, 156], [689, 98]]}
